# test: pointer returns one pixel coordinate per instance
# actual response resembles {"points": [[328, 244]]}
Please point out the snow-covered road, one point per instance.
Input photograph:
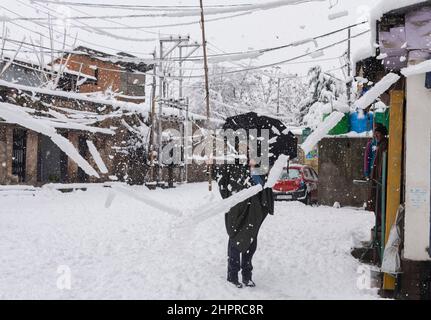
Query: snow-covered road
{"points": [[132, 251]]}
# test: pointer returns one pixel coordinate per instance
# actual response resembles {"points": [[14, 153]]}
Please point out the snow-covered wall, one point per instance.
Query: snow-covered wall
{"points": [[418, 158]]}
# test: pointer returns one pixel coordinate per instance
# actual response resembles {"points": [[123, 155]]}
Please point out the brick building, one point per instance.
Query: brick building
{"points": [[123, 74]]}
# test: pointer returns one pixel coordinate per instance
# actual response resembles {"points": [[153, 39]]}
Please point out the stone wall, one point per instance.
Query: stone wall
{"points": [[340, 162]]}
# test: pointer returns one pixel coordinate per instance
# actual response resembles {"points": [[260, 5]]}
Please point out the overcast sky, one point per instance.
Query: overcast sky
{"points": [[261, 29]]}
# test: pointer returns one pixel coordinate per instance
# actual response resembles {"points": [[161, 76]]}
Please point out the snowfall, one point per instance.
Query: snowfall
{"points": [[115, 246]]}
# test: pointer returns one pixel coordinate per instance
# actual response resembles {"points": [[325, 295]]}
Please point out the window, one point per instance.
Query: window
{"points": [[96, 75], [307, 174], [292, 174], [19, 153]]}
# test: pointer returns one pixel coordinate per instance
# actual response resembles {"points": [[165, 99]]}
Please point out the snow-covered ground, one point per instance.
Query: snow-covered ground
{"points": [[131, 251]]}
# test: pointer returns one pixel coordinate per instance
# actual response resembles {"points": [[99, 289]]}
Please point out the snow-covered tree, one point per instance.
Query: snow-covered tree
{"points": [[232, 94], [323, 91]]}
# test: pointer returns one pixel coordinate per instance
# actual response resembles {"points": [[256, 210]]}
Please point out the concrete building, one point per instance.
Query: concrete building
{"points": [[403, 32]]}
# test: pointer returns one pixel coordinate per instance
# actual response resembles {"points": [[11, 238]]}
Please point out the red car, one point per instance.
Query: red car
{"points": [[299, 183]]}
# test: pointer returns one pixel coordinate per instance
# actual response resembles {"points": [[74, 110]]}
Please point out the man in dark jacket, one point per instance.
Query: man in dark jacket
{"points": [[380, 133], [243, 221]]}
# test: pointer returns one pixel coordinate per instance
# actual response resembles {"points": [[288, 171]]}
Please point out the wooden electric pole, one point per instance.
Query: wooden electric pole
{"points": [[207, 90], [349, 67]]}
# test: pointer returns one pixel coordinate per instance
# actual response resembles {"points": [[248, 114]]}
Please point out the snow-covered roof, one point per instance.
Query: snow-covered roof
{"points": [[143, 108], [420, 68], [127, 61], [362, 54], [387, 6], [62, 68], [67, 119]]}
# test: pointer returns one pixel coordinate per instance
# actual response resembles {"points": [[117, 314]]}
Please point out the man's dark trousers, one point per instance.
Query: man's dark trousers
{"points": [[238, 261]]}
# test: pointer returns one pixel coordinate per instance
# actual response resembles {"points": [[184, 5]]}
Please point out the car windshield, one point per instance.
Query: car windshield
{"points": [[292, 174]]}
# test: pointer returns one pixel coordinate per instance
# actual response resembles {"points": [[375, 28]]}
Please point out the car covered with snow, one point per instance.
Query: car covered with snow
{"points": [[297, 183]]}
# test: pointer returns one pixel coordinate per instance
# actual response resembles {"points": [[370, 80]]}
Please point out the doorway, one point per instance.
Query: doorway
{"points": [[19, 153]]}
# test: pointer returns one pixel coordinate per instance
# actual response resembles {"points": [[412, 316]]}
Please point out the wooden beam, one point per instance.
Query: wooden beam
{"points": [[395, 157]]}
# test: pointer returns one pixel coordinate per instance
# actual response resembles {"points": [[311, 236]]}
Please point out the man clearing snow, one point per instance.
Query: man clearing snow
{"points": [[243, 221]]}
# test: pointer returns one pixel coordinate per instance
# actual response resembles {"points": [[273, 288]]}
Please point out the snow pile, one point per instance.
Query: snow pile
{"points": [[12, 114], [341, 106], [127, 251], [316, 113], [321, 131], [420, 68], [146, 199], [379, 88], [380, 107]]}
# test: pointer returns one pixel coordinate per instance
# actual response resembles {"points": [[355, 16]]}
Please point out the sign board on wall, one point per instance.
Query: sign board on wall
{"points": [[418, 197]]}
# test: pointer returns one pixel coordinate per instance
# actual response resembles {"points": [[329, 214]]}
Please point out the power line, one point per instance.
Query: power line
{"points": [[87, 27], [288, 60], [191, 12], [263, 50], [46, 37], [169, 25], [259, 50], [48, 50], [138, 7], [315, 38]]}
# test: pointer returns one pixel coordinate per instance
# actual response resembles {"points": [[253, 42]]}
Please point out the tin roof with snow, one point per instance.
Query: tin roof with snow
{"points": [[124, 60]]}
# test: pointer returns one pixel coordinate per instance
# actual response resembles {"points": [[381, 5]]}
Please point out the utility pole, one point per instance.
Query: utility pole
{"points": [[153, 116], [159, 120], [162, 91], [194, 47], [180, 55], [182, 127], [349, 67], [186, 142], [207, 90], [278, 96]]}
